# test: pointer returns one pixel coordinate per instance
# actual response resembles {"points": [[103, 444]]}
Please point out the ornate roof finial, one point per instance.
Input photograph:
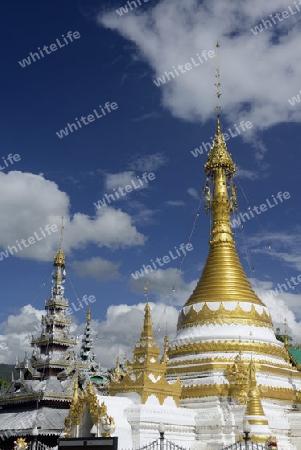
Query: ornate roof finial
{"points": [[146, 291], [165, 358], [285, 340], [59, 264], [254, 413], [254, 407], [60, 257], [217, 84], [62, 228], [285, 326], [147, 332], [89, 316]]}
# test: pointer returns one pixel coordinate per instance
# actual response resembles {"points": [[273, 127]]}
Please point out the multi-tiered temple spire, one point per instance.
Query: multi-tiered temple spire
{"points": [[91, 370], [47, 377], [54, 346]]}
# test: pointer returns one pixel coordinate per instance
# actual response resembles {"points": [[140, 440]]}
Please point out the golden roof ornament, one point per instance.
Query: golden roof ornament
{"points": [[20, 444], [147, 332], [254, 406], [146, 374], [165, 358], [87, 399], [59, 260], [254, 413], [238, 375]]}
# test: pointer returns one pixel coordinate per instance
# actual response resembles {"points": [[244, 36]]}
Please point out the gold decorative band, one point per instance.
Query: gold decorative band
{"points": [[228, 346], [222, 315]]}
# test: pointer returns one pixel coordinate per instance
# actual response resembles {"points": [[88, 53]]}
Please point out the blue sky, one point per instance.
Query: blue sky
{"points": [[116, 58]]}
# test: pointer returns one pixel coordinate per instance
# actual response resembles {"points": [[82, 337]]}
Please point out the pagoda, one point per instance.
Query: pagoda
{"points": [[92, 370], [41, 396], [224, 326]]}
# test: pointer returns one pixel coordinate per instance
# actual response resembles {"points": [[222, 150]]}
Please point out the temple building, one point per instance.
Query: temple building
{"points": [[231, 367], [40, 398]]}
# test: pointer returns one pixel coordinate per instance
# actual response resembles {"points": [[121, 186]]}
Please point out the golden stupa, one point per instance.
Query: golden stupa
{"points": [[224, 325]]}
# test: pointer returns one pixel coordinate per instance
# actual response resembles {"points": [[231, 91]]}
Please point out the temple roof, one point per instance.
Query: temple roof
{"points": [[49, 420]]}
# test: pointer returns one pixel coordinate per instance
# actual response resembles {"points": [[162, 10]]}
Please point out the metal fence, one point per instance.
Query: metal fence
{"points": [[245, 446], [162, 444], [37, 445]]}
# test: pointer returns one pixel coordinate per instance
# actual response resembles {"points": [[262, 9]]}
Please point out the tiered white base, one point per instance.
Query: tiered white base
{"points": [[209, 423]]}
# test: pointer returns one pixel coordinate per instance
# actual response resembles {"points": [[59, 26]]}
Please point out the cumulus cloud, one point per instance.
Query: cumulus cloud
{"points": [[278, 245], [121, 328], [98, 268], [29, 202], [148, 163], [193, 193], [121, 179], [173, 32], [248, 174], [286, 305], [123, 325], [167, 285], [17, 338], [115, 335], [175, 203]]}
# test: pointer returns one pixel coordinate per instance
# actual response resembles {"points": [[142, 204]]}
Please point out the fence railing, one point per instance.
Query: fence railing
{"points": [[245, 446], [162, 444]]}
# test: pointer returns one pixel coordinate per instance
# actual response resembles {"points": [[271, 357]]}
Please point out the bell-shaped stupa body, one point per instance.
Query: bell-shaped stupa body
{"points": [[224, 324]]}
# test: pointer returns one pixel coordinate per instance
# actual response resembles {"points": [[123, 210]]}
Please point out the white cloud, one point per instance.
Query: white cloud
{"points": [[17, 338], [121, 179], [283, 306], [244, 173], [98, 268], [148, 163], [175, 203], [151, 115], [161, 284], [259, 73], [122, 326], [278, 245], [117, 334], [194, 193], [29, 202]]}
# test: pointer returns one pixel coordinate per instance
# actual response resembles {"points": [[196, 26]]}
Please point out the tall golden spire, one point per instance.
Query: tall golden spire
{"points": [[223, 278], [147, 331], [59, 260]]}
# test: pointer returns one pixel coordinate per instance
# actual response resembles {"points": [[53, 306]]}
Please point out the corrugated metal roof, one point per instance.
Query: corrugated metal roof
{"points": [[51, 420]]}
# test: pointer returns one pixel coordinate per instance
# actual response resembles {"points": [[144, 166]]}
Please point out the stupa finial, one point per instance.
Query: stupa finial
{"points": [[147, 331], [59, 262], [220, 169], [217, 84], [60, 257]]}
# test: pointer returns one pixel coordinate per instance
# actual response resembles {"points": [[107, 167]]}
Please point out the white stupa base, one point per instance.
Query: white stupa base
{"points": [[203, 424]]}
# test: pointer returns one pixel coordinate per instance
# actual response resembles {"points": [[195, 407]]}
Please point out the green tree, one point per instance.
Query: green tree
{"points": [[3, 383]]}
